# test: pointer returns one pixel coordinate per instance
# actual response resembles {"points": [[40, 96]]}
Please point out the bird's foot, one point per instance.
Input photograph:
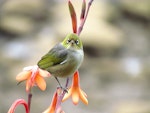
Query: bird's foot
{"points": [[62, 88]]}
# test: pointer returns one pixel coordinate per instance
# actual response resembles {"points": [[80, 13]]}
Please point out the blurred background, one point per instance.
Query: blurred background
{"points": [[115, 73]]}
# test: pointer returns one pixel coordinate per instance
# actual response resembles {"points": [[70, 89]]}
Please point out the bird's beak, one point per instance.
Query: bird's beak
{"points": [[72, 42]]}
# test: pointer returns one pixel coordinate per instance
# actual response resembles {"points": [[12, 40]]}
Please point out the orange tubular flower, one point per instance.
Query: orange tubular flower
{"points": [[52, 107], [76, 92], [33, 76]]}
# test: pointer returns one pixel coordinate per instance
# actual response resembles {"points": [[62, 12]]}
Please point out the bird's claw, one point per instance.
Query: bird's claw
{"points": [[64, 89]]}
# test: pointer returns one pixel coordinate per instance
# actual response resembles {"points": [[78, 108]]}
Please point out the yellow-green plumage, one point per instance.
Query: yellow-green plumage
{"points": [[64, 58]]}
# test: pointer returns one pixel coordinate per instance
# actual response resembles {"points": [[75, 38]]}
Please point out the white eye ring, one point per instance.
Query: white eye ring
{"points": [[77, 42], [68, 41]]}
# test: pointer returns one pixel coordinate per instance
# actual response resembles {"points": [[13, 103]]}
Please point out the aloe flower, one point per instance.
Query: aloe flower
{"points": [[52, 107], [33, 76], [76, 92]]}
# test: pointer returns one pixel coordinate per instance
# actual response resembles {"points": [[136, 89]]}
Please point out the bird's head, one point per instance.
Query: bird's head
{"points": [[72, 41]]}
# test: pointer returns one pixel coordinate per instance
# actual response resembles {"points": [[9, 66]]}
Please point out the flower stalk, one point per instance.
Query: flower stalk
{"points": [[83, 18], [29, 100], [61, 95], [75, 91], [16, 103], [34, 76]]}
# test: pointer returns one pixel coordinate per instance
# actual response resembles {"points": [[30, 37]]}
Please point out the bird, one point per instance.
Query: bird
{"points": [[64, 58]]}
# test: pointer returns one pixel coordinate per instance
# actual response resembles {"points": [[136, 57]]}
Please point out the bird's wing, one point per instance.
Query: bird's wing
{"points": [[55, 56]]}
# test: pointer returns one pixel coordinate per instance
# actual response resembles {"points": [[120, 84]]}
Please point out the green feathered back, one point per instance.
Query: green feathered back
{"points": [[55, 56]]}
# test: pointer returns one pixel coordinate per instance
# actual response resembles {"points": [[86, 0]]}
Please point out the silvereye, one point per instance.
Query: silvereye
{"points": [[64, 58]]}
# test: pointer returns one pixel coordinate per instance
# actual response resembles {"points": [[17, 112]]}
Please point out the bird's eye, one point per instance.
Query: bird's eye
{"points": [[77, 42], [68, 41]]}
